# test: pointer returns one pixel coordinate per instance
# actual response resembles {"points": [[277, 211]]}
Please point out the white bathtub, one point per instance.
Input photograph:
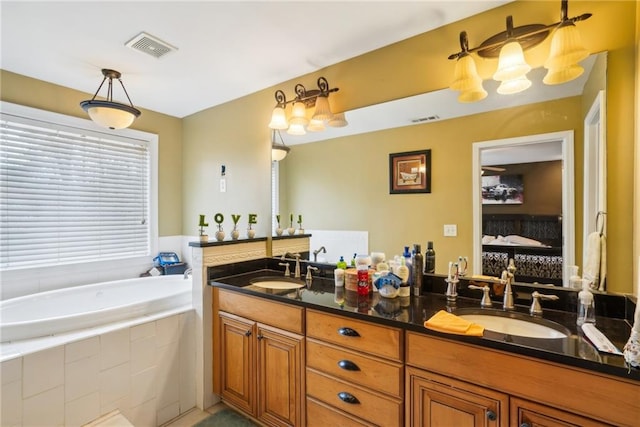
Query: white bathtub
{"points": [[81, 307]]}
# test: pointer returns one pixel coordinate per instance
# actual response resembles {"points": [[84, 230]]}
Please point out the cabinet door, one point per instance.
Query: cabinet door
{"points": [[280, 377], [237, 362], [439, 401], [530, 414]]}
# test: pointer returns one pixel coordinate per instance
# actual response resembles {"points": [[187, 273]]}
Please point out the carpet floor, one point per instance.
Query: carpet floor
{"points": [[226, 418]]}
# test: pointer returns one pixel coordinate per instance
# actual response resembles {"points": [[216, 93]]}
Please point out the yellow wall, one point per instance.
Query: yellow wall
{"points": [[34, 93]]}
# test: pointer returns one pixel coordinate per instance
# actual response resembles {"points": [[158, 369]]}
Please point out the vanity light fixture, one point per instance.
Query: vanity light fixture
{"points": [[278, 151], [108, 113], [508, 46], [299, 122]]}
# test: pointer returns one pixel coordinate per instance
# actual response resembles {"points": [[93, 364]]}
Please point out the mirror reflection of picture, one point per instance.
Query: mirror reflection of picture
{"points": [[502, 189]]}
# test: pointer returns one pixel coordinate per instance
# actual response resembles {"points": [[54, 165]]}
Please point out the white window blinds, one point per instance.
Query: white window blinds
{"points": [[70, 195]]}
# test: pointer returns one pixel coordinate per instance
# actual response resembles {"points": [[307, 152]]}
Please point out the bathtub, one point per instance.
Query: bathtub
{"points": [[89, 306]]}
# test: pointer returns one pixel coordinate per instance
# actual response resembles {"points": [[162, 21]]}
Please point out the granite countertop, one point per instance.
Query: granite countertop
{"points": [[409, 313]]}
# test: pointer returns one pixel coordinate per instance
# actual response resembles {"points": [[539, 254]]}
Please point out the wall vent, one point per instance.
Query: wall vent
{"points": [[426, 119], [150, 45]]}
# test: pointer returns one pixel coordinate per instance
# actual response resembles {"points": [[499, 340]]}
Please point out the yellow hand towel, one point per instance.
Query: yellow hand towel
{"points": [[452, 324]]}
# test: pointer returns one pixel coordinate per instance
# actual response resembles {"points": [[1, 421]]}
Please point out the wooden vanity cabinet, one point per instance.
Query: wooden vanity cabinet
{"points": [[355, 372], [262, 364], [442, 374]]}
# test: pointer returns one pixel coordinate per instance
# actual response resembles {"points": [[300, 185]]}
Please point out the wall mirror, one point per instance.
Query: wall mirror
{"points": [[322, 162]]}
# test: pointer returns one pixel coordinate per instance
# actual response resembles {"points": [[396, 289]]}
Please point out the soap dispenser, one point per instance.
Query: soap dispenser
{"points": [[586, 305], [575, 281], [342, 263], [403, 274]]}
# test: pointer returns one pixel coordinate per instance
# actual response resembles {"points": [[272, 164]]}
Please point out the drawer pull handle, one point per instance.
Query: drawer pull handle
{"points": [[348, 398], [348, 332], [248, 333], [348, 365], [491, 416]]}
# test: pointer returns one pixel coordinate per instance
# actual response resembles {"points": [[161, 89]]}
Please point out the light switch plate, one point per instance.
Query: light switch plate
{"points": [[223, 185], [450, 230]]}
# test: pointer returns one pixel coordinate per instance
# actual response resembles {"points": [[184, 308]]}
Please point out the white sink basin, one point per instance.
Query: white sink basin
{"points": [[275, 283], [513, 326]]}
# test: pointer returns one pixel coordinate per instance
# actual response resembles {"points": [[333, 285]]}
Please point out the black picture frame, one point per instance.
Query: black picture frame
{"points": [[410, 172]]}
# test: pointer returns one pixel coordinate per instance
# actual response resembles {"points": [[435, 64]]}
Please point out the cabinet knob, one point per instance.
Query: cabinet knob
{"points": [[525, 425], [260, 336], [248, 333], [348, 398], [348, 365], [491, 416], [348, 332]]}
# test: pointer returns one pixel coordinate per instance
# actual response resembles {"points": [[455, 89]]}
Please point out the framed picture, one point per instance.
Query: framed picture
{"points": [[410, 172], [502, 190]]}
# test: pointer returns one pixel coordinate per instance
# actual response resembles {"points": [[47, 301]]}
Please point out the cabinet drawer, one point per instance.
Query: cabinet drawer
{"points": [[383, 376], [321, 415], [283, 316], [370, 406], [380, 340]]}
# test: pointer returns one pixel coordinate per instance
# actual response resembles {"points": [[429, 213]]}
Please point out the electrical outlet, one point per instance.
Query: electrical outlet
{"points": [[450, 230], [223, 185]]}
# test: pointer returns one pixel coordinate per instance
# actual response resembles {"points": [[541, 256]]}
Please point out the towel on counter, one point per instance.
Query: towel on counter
{"points": [[449, 323], [591, 268]]}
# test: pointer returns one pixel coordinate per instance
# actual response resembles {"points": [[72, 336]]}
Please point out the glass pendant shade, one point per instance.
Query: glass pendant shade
{"points": [[509, 87], [296, 129], [338, 121], [322, 110], [467, 81], [299, 114], [278, 119], [279, 152], [565, 53], [315, 126], [110, 115], [511, 63]]}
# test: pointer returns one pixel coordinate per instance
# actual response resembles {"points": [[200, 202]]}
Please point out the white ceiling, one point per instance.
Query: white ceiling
{"points": [[226, 49]]}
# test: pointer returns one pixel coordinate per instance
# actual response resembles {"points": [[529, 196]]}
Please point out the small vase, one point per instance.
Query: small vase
{"points": [[300, 230], [220, 235], [204, 238], [251, 233], [279, 231], [291, 231], [235, 234]]}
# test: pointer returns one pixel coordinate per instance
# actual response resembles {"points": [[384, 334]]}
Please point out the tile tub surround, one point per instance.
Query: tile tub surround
{"points": [[146, 371]]}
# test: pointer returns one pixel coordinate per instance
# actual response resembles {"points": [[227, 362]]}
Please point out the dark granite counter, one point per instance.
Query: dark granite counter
{"points": [[409, 313]]}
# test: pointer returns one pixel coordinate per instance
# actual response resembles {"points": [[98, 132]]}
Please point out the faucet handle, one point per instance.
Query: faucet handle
{"points": [[536, 308], [287, 272], [486, 299], [310, 268]]}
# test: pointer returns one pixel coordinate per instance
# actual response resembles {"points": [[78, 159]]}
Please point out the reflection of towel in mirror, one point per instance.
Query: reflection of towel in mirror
{"points": [[591, 268], [603, 262]]}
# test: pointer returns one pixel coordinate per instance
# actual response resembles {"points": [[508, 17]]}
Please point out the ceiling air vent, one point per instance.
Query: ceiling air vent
{"points": [[150, 45], [425, 119]]}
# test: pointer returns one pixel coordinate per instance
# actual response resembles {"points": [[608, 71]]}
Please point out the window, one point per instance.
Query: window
{"points": [[72, 194]]}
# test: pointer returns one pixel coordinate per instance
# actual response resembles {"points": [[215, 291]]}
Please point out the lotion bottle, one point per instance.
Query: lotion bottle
{"points": [[586, 305], [403, 274]]}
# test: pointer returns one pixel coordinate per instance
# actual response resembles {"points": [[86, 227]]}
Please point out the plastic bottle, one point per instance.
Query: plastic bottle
{"points": [[417, 262], [403, 274], [586, 305], [575, 281], [353, 260], [407, 261], [430, 259], [342, 263], [363, 279]]}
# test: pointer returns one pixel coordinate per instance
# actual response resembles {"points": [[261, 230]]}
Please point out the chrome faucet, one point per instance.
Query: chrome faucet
{"points": [[296, 273], [187, 272], [287, 272], [536, 308], [507, 301], [309, 276], [486, 298], [321, 249]]}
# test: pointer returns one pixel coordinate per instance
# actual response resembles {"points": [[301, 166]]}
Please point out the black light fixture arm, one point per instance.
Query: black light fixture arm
{"points": [[111, 74], [308, 97], [527, 35]]}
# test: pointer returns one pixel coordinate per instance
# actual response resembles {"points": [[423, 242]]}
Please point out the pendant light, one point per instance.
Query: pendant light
{"points": [[108, 113], [278, 151]]}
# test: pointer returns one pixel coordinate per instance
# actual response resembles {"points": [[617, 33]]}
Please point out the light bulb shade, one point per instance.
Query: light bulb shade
{"points": [[511, 63], [279, 152], [563, 75], [465, 75], [315, 126], [322, 110], [296, 129], [338, 121], [299, 114], [566, 47], [278, 119], [509, 87], [109, 114], [473, 95]]}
